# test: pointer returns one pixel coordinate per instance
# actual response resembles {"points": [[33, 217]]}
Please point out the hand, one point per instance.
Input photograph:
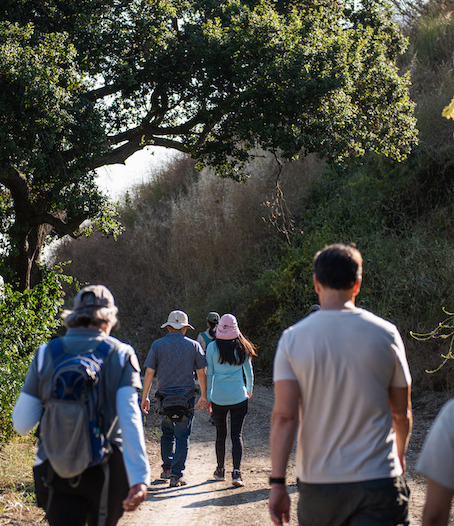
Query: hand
{"points": [[201, 403], [145, 405], [136, 495], [249, 395], [279, 504], [403, 464], [209, 407]]}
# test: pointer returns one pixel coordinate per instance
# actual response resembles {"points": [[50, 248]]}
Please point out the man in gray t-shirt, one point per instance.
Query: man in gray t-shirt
{"points": [[173, 360], [342, 385]]}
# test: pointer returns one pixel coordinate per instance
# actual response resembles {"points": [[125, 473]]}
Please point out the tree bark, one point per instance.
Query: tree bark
{"points": [[32, 224]]}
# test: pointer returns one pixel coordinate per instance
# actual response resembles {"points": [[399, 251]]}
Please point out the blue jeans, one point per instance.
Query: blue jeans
{"points": [[175, 444]]}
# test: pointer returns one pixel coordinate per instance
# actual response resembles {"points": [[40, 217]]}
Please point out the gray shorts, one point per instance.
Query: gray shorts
{"points": [[381, 502]]}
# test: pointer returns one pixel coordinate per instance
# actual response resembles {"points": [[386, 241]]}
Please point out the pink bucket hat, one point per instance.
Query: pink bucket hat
{"points": [[227, 328]]}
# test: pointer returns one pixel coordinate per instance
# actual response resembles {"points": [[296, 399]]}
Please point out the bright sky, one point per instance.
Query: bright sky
{"points": [[116, 179]]}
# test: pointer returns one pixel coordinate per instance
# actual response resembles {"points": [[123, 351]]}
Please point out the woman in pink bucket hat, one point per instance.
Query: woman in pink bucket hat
{"points": [[229, 366]]}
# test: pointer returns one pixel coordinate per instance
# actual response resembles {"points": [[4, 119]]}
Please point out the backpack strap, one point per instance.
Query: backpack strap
{"points": [[56, 348], [206, 338]]}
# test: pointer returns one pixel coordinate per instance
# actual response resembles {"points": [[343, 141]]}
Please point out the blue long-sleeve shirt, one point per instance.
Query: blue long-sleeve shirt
{"points": [[225, 382]]}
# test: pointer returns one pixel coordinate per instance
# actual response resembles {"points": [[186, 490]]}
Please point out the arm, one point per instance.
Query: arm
{"points": [[27, 413], [438, 504], [249, 375], [400, 403], [209, 375], [202, 378], [134, 449], [147, 381], [284, 423]]}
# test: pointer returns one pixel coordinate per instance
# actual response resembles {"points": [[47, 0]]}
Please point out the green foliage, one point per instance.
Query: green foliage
{"points": [[89, 86], [27, 320], [429, 60], [107, 221], [408, 261], [433, 39]]}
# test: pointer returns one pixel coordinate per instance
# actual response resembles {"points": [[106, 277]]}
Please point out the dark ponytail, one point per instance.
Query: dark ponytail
{"points": [[235, 351]]}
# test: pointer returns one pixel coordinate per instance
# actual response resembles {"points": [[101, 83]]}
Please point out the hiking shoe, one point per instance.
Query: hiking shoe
{"points": [[165, 475], [219, 474], [176, 481], [237, 479]]}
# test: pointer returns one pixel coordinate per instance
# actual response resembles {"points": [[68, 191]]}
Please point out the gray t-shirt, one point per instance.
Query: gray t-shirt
{"points": [[344, 361], [175, 358]]}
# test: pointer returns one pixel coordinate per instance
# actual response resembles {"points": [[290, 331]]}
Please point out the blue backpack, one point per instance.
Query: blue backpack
{"points": [[71, 429]]}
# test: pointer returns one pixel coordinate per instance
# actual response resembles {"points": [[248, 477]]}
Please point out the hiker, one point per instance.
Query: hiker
{"points": [[77, 499], [173, 359], [229, 358], [206, 337], [436, 462], [341, 379]]}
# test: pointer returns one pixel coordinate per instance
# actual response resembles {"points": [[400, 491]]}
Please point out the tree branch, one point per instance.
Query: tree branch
{"points": [[123, 152], [69, 228], [17, 184]]}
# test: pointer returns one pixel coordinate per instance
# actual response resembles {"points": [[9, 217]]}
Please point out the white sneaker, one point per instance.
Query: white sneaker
{"points": [[237, 479]]}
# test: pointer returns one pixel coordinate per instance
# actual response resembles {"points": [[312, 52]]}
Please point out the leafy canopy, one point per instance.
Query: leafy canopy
{"points": [[87, 84]]}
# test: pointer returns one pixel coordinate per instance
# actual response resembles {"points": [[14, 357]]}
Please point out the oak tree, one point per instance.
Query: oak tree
{"points": [[86, 84]]}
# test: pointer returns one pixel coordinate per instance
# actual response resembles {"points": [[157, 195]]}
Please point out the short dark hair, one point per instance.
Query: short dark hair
{"points": [[338, 266]]}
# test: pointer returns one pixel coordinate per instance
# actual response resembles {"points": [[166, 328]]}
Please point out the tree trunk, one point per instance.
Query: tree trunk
{"points": [[26, 254]]}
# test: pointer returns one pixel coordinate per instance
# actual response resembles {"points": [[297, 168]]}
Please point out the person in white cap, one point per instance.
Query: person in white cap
{"points": [[173, 359]]}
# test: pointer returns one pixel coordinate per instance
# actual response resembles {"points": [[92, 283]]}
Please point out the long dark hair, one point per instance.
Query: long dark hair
{"points": [[244, 349], [212, 329]]}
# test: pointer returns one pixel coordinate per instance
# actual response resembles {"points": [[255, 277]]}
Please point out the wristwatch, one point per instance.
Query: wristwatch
{"points": [[277, 480]]}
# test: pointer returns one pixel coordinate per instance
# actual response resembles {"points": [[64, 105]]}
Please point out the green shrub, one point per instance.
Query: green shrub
{"points": [[408, 261], [27, 320]]}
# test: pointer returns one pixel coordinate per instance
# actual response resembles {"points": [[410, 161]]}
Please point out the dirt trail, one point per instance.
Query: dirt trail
{"points": [[209, 502]]}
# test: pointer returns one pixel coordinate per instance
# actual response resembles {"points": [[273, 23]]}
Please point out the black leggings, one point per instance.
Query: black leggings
{"points": [[237, 415], [79, 506]]}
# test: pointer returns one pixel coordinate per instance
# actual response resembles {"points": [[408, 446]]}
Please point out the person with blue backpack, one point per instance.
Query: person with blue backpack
{"points": [[206, 337], [81, 389], [209, 335]]}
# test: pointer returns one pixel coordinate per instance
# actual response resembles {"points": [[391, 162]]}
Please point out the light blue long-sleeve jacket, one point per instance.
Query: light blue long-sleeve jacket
{"points": [[225, 382]]}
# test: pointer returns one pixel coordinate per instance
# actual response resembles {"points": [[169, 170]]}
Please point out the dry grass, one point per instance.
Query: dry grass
{"points": [[17, 504], [192, 241]]}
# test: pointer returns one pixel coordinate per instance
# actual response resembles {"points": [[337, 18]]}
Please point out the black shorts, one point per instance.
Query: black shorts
{"points": [[79, 505]]}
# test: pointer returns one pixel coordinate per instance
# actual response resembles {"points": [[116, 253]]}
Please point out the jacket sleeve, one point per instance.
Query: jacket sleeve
{"points": [[249, 375], [27, 413], [134, 449]]}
